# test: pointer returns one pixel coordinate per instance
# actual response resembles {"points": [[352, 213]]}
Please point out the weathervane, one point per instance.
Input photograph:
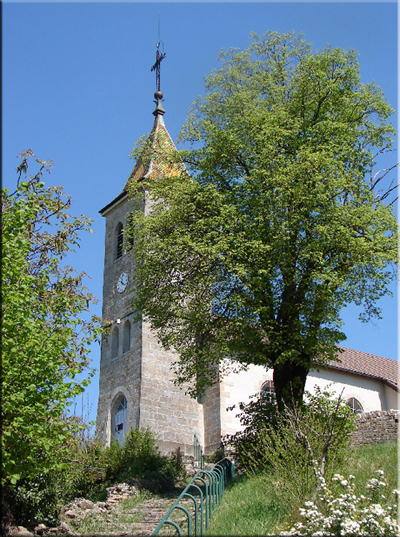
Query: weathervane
{"points": [[156, 67], [159, 57]]}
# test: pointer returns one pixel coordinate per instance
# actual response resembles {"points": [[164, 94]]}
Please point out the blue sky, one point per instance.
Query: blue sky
{"points": [[77, 88]]}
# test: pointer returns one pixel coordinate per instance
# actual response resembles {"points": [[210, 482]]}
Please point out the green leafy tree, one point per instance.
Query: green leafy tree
{"points": [[283, 221], [46, 330]]}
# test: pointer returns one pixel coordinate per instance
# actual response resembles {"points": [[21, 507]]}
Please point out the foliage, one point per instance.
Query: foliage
{"points": [[83, 473], [32, 500], [45, 334], [215, 456], [254, 417], [299, 444], [88, 469], [140, 458], [349, 514], [254, 504], [282, 222]]}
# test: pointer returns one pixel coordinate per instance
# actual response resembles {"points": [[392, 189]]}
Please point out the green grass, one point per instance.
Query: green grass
{"points": [[247, 510], [366, 460], [253, 506]]}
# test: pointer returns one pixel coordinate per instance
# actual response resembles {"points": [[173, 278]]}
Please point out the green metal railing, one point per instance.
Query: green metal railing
{"points": [[206, 491], [198, 453]]}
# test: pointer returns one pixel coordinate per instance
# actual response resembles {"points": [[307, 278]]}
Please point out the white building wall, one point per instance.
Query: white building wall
{"points": [[368, 391], [239, 387], [392, 399]]}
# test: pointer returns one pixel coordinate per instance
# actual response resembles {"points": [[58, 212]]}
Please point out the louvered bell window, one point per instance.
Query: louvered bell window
{"points": [[120, 240]]}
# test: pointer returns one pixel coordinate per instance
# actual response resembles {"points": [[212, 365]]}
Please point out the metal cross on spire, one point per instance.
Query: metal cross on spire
{"points": [[159, 111], [159, 57]]}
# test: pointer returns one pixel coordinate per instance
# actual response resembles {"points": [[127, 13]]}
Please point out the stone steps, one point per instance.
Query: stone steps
{"points": [[153, 512]]}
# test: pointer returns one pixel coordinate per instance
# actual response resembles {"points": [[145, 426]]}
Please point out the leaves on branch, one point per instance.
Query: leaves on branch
{"points": [[46, 324]]}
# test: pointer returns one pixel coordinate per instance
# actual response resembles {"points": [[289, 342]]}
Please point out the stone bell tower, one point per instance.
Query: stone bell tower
{"points": [[136, 381]]}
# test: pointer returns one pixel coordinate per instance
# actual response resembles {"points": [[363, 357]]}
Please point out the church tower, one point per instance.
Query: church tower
{"points": [[136, 380]]}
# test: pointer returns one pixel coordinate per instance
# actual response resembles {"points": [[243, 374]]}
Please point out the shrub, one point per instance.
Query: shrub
{"points": [[88, 469], [215, 456], [298, 444], [140, 458], [254, 417], [32, 500]]}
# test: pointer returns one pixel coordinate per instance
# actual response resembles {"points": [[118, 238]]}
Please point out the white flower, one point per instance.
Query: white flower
{"points": [[377, 509], [350, 526], [347, 516]]}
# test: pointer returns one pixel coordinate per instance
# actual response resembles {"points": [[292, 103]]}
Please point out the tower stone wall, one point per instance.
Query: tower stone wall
{"points": [[165, 408], [119, 372], [143, 375]]}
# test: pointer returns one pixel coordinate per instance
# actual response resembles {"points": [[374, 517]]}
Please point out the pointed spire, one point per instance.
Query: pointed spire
{"points": [[159, 111], [155, 162]]}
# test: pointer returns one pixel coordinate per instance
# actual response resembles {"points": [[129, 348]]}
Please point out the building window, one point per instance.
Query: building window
{"points": [[355, 405], [120, 240], [127, 336], [268, 391], [119, 426], [115, 343]]}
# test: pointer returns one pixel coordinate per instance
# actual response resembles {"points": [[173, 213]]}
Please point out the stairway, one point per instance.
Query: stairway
{"points": [[154, 511]]}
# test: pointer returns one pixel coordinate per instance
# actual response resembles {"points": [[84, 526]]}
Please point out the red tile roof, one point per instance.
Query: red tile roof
{"points": [[365, 364]]}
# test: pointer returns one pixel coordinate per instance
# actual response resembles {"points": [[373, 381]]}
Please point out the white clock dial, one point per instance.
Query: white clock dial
{"points": [[122, 282]]}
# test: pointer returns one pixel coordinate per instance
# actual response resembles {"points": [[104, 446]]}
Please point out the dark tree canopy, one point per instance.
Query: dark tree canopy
{"points": [[280, 224]]}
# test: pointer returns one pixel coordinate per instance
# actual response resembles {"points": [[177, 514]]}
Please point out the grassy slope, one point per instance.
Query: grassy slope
{"points": [[251, 507]]}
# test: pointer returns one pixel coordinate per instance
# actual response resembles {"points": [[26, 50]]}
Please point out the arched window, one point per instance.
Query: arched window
{"points": [[127, 336], [115, 343], [119, 422], [120, 240], [268, 391], [355, 405]]}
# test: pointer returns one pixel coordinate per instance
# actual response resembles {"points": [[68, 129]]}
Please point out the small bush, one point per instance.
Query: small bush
{"points": [[298, 444], [89, 468], [215, 456], [32, 501]]}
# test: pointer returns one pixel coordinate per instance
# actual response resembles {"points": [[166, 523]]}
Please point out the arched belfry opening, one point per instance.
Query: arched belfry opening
{"points": [[114, 343], [127, 337]]}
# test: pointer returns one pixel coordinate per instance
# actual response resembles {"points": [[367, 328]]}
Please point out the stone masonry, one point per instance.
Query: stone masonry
{"points": [[143, 373], [376, 426]]}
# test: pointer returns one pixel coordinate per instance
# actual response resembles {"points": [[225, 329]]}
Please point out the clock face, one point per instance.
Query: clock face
{"points": [[122, 282]]}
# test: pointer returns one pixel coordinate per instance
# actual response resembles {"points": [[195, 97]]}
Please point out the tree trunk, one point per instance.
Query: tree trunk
{"points": [[289, 381]]}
